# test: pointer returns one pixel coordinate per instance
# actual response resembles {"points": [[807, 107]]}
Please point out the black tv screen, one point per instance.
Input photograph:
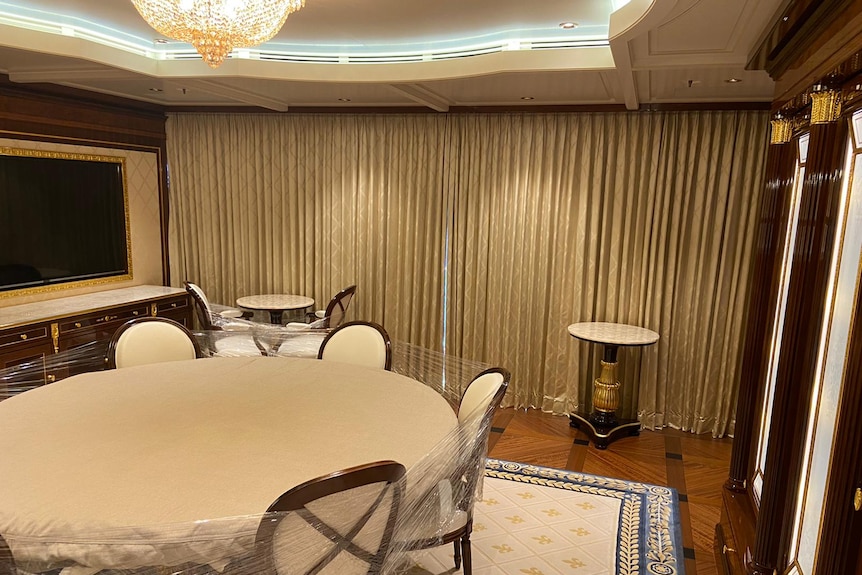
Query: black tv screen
{"points": [[63, 218]]}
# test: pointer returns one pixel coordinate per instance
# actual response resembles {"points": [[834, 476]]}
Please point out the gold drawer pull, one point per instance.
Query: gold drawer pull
{"points": [[77, 324], [23, 336], [52, 378], [725, 550], [174, 304], [857, 499], [135, 312]]}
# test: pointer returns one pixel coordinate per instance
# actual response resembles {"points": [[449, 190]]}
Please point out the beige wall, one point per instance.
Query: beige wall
{"points": [[142, 179]]}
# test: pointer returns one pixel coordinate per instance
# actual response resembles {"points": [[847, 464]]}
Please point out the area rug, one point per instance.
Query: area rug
{"points": [[541, 521]]}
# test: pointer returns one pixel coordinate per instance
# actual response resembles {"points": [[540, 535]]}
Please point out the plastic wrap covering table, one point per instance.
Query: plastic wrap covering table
{"points": [[119, 468]]}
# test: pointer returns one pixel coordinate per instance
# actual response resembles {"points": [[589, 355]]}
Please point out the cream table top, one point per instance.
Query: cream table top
{"points": [[120, 464], [613, 333], [275, 302]]}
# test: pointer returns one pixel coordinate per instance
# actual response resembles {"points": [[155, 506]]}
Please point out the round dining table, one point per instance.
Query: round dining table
{"points": [[276, 304], [172, 462]]}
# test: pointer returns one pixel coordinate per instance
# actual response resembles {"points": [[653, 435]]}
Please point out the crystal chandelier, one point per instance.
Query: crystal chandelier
{"points": [[215, 27]]}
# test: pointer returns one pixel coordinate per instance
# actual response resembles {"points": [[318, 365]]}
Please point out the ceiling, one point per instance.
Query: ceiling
{"points": [[394, 53]]}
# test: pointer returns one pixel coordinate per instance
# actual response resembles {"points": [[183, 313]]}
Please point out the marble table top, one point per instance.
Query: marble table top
{"points": [[613, 333], [275, 302]]}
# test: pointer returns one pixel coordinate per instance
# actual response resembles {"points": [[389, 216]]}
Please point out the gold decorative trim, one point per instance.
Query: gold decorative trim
{"points": [[24, 152], [782, 130], [825, 106], [55, 336]]}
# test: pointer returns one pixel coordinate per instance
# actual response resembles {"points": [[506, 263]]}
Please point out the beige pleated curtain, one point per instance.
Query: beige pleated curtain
{"points": [[509, 227]]}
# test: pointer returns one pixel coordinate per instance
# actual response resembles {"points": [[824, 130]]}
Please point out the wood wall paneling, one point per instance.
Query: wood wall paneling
{"points": [[774, 209], [65, 115], [800, 341]]}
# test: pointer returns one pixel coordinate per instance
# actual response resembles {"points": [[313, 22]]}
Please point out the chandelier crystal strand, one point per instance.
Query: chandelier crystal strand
{"points": [[215, 27]]}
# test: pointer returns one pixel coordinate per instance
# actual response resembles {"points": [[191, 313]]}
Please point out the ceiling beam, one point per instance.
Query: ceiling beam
{"points": [[422, 95], [225, 91]]}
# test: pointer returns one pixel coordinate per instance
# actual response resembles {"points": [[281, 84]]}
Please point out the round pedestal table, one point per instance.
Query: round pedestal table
{"points": [[275, 304], [602, 425]]}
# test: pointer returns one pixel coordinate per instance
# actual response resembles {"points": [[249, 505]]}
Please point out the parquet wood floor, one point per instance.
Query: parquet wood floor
{"points": [[695, 465]]}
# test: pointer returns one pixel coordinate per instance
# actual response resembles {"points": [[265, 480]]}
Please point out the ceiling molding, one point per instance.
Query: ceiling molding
{"points": [[60, 75], [244, 96], [422, 95]]}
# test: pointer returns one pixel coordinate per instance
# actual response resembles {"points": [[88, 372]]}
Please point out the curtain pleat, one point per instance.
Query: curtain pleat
{"points": [[499, 230]]}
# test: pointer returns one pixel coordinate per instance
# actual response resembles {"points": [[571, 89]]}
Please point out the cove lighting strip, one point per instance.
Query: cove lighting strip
{"points": [[144, 47]]}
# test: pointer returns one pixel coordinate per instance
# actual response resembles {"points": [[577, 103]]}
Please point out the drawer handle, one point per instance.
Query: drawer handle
{"points": [[23, 336], [135, 312], [77, 324], [107, 318], [725, 550], [52, 378], [174, 304]]}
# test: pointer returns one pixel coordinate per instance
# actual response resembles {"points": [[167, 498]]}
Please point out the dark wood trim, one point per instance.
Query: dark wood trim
{"points": [[762, 303], [802, 25], [842, 525], [83, 97], [797, 365]]}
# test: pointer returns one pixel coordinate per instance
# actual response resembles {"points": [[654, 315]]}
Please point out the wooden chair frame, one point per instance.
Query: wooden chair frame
{"points": [[296, 499]]}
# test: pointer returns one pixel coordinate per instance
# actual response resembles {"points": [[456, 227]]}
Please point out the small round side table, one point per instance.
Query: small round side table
{"points": [[602, 425]]}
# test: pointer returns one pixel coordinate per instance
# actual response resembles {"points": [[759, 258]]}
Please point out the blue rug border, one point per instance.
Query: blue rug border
{"points": [[655, 506]]}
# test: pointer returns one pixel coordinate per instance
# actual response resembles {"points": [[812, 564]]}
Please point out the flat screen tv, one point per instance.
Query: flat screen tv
{"points": [[63, 219]]}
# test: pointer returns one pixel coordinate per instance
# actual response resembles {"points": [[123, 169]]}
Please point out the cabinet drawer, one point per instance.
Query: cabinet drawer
{"points": [[109, 317], [174, 304], [24, 336]]}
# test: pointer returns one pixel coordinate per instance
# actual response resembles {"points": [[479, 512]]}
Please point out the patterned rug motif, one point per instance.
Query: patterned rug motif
{"points": [[541, 521]]}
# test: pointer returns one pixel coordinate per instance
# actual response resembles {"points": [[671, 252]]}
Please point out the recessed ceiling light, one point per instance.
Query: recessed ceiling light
{"points": [[568, 25], [733, 80], [156, 90], [527, 98], [159, 41], [344, 99]]}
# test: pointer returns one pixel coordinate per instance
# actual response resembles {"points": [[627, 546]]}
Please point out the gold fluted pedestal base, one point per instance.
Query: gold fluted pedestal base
{"points": [[603, 434], [602, 425]]}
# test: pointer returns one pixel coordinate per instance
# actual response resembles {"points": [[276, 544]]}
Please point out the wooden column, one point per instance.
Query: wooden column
{"points": [[762, 300], [806, 299]]}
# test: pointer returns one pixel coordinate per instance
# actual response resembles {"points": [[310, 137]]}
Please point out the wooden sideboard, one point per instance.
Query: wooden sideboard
{"points": [[45, 335]]}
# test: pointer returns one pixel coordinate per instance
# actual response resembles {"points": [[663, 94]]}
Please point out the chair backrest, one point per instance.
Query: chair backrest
{"points": [[362, 343], [479, 402], [483, 393], [151, 340], [341, 523], [202, 305], [7, 562], [337, 308]]}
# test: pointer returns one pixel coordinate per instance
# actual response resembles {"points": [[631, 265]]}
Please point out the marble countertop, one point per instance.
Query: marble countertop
{"points": [[45, 310], [613, 333]]}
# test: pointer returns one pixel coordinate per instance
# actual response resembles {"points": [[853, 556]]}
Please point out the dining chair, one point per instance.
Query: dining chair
{"points": [[151, 340], [7, 562], [335, 311], [341, 523], [362, 343], [457, 492], [240, 342], [207, 311]]}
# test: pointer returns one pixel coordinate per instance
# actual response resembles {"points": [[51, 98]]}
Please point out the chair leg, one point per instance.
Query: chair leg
{"points": [[457, 545], [468, 557]]}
